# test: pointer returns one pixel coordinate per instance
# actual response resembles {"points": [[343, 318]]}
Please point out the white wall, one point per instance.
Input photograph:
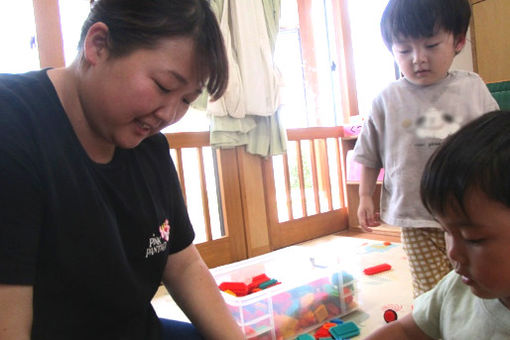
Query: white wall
{"points": [[464, 60]]}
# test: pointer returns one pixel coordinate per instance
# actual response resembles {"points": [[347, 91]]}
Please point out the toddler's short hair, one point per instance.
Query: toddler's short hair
{"points": [[423, 18], [477, 157]]}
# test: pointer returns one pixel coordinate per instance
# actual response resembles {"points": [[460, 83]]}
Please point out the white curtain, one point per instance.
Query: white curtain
{"points": [[248, 112]]}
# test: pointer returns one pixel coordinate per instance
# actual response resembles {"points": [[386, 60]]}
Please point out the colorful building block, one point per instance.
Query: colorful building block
{"points": [[344, 330], [238, 288], [321, 313], [376, 269]]}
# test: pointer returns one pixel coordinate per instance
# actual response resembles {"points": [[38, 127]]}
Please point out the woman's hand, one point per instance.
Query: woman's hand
{"points": [[194, 289]]}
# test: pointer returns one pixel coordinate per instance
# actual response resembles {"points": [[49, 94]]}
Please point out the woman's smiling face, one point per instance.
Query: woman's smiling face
{"points": [[129, 98]]}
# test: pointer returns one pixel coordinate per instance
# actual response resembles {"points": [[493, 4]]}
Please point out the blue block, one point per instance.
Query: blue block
{"points": [[293, 308], [347, 277], [344, 330], [305, 337], [337, 321]]}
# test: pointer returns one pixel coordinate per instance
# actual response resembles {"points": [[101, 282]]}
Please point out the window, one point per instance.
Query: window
{"points": [[289, 60], [373, 63], [18, 37], [313, 55], [72, 15], [306, 56]]}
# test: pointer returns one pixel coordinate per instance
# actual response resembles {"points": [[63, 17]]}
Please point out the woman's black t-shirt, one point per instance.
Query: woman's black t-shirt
{"points": [[92, 239]]}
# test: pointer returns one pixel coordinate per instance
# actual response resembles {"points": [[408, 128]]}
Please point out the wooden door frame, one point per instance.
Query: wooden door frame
{"points": [[49, 33]]}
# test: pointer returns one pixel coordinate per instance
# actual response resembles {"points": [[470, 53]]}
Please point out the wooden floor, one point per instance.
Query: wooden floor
{"points": [[387, 233]]}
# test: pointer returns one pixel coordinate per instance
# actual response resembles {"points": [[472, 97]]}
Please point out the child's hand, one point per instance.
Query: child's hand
{"points": [[366, 216]]}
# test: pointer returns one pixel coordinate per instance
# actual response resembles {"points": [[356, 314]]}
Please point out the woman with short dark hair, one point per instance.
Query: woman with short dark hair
{"points": [[92, 218]]}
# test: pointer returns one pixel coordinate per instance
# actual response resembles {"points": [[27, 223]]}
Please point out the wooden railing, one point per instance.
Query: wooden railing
{"points": [[210, 184], [302, 192], [321, 175], [197, 142], [312, 173]]}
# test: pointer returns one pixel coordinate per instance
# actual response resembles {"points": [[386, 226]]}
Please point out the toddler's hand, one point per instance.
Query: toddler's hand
{"points": [[366, 216], [375, 221]]}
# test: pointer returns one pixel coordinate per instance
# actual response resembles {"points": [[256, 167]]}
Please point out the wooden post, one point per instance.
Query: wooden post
{"points": [[49, 33]]}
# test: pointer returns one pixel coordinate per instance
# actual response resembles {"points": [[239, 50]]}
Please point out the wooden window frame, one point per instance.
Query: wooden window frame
{"points": [[51, 46], [344, 52], [49, 33]]}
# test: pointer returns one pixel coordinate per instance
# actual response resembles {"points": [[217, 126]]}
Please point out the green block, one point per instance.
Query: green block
{"points": [[266, 284], [344, 330], [305, 337]]}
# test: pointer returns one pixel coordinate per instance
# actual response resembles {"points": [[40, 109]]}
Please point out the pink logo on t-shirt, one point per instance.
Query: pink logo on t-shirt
{"points": [[164, 230]]}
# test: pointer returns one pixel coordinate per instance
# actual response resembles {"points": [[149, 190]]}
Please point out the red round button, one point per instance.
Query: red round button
{"points": [[390, 315]]}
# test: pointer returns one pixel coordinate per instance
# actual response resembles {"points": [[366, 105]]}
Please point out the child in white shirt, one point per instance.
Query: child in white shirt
{"points": [[411, 117], [466, 187]]}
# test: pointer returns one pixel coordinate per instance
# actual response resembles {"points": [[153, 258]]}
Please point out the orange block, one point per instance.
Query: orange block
{"points": [[286, 326], [306, 319], [321, 313], [328, 325]]}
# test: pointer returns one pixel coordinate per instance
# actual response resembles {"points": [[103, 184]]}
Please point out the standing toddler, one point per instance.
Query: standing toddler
{"points": [[410, 118]]}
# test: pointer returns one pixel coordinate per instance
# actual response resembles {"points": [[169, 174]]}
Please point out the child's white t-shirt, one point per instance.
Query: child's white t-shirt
{"points": [[451, 311], [406, 125]]}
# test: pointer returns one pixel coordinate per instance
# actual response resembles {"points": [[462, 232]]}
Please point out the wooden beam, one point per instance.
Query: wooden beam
{"points": [[345, 60], [188, 139], [253, 202], [308, 228], [309, 59], [315, 133], [49, 33]]}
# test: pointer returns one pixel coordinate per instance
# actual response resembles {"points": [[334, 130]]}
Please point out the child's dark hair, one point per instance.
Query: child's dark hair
{"points": [[475, 157], [135, 24], [423, 18]]}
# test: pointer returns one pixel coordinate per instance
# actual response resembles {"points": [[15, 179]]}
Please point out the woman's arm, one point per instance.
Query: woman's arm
{"points": [[15, 312], [192, 286], [401, 329]]}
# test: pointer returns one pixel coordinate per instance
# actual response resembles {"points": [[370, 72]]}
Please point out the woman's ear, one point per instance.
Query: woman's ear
{"points": [[460, 41], [95, 46]]}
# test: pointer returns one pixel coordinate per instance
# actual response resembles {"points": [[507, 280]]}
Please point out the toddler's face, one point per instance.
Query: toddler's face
{"points": [[425, 61], [478, 245]]}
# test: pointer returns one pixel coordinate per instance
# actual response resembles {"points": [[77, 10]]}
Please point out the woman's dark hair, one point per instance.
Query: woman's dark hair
{"points": [[135, 24], [477, 157], [423, 18]]}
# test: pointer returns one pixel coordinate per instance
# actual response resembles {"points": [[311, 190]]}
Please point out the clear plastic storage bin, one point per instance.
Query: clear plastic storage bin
{"points": [[308, 294]]}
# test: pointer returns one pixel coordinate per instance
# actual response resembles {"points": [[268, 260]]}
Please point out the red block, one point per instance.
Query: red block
{"points": [[322, 333], [377, 269], [256, 281], [238, 288]]}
